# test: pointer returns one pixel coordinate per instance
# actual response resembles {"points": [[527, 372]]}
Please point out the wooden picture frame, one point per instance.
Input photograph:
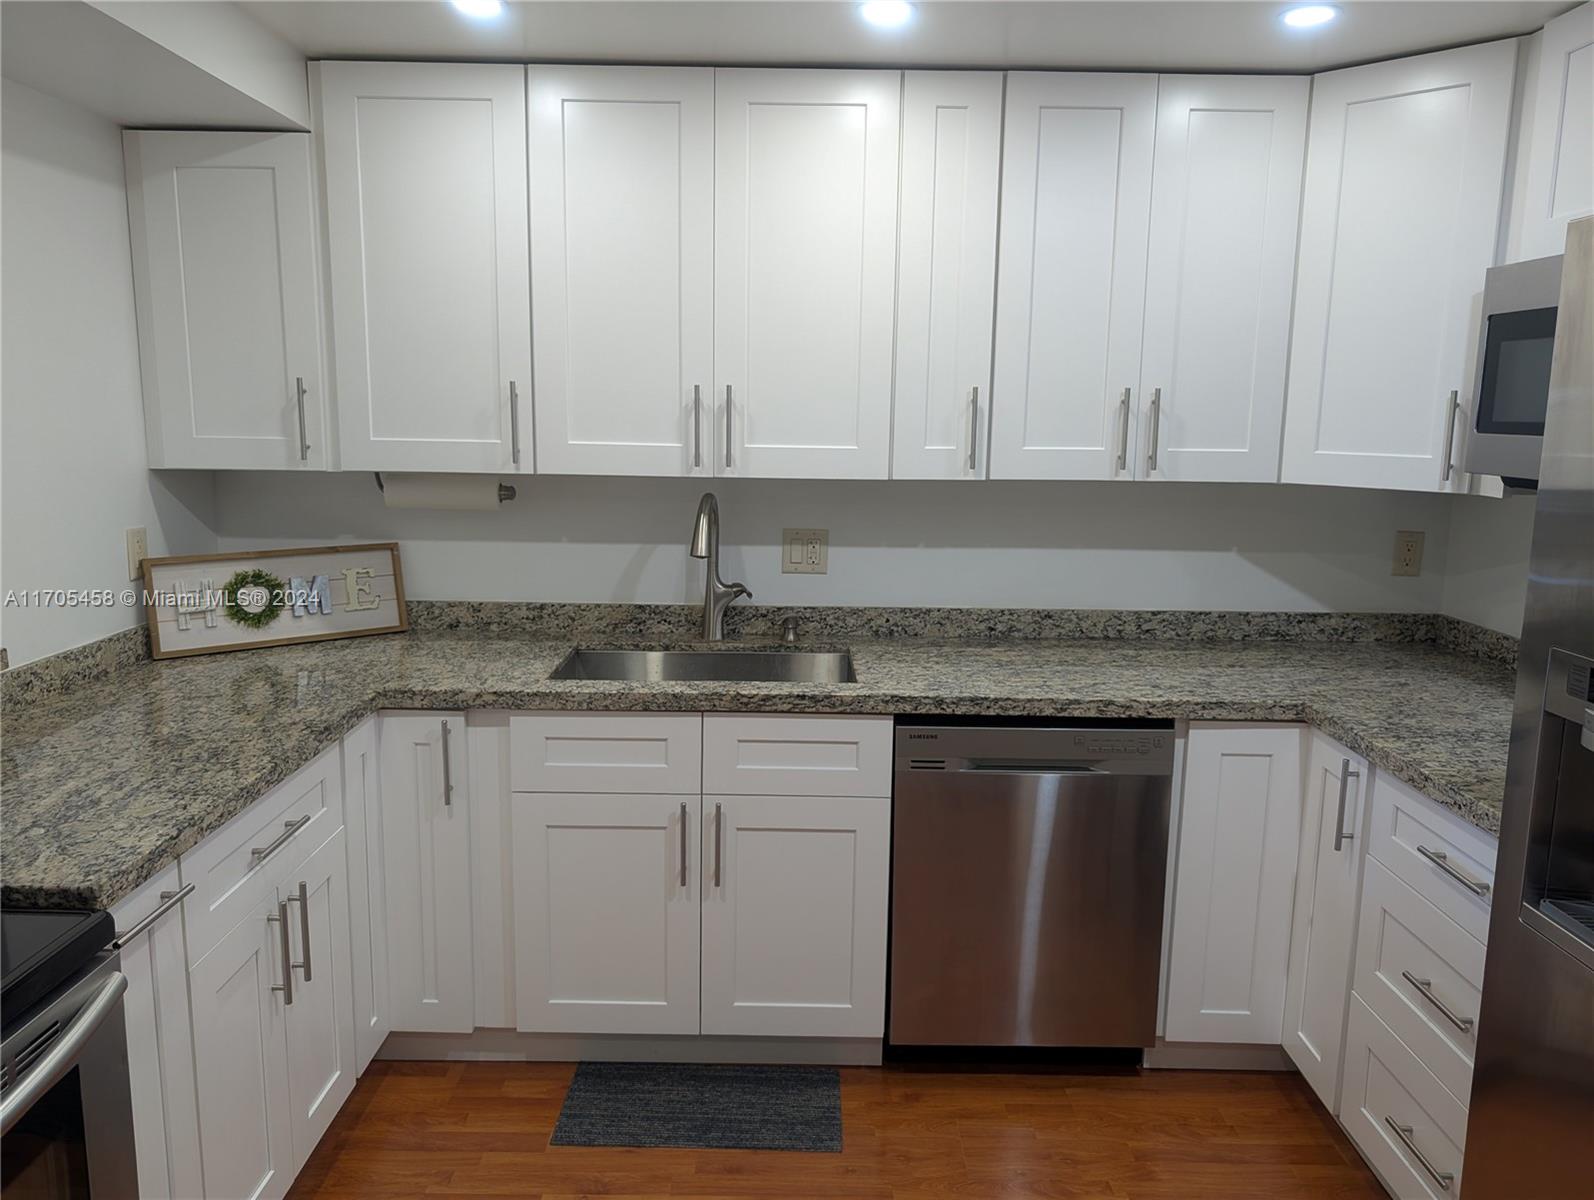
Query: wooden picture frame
{"points": [[186, 610]]}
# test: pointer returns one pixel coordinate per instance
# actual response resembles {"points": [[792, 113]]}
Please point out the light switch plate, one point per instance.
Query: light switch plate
{"points": [[1408, 552], [137, 552], [805, 551]]}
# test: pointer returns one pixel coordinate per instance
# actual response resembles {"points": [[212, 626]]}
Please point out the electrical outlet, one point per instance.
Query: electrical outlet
{"points": [[1408, 552], [805, 551], [137, 552]]}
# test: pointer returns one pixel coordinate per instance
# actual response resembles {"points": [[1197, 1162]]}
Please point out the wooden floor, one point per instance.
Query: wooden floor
{"points": [[481, 1129]]}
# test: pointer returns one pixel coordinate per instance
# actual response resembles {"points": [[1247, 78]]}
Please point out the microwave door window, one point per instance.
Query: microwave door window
{"points": [[1516, 372]]}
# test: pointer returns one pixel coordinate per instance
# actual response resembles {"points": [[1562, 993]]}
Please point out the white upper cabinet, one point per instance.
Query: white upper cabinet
{"points": [[1555, 157], [1225, 199], [1399, 222], [1076, 196], [946, 273], [622, 268], [425, 169], [805, 202], [224, 266]]}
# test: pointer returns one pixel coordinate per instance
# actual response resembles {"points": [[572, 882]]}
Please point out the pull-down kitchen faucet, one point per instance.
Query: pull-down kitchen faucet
{"points": [[717, 594]]}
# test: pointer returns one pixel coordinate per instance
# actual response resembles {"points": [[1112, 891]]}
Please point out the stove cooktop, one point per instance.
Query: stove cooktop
{"points": [[40, 949]]}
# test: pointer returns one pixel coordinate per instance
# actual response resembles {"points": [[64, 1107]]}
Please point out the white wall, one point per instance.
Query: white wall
{"points": [[1081, 545], [72, 473], [1486, 571]]}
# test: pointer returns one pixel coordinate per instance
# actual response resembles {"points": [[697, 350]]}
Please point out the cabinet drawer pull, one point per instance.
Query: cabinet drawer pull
{"points": [[259, 854], [1425, 990], [304, 444], [1345, 776], [719, 841], [1123, 431], [974, 425], [728, 438], [1443, 1178], [281, 922], [683, 843], [169, 901], [1452, 406], [448, 773], [697, 425], [302, 899], [1156, 423], [514, 423], [1442, 860]]}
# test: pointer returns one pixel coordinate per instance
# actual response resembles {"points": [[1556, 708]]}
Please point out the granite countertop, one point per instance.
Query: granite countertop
{"points": [[108, 782]]}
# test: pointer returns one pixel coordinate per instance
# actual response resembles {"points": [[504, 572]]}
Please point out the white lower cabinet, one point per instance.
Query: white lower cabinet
{"points": [[1327, 881], [606, 921], [794, 915], [240, 1055], [426, 863], [1238, 839], [160, 1042], [362, 810]]}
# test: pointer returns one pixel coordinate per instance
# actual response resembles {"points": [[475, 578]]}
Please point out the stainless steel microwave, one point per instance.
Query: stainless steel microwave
{"points": [[1511, 384]]}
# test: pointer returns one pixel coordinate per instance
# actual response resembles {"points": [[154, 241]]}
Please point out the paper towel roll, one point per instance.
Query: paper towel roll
{"points": [[457, 493]]}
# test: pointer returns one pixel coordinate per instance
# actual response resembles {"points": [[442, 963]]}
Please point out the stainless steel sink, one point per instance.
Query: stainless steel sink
{"points": [[761, 666]]}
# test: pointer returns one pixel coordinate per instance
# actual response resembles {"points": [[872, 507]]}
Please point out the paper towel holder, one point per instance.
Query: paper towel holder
{"points": [[506, 491]]}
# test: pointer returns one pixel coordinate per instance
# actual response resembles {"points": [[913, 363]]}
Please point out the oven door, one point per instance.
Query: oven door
{"points": [[65, 1107]]}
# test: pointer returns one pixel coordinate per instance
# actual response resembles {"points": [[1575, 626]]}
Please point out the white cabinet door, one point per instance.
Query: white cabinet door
{"points": [[1398, 224], [1323, 933], [160, 1042], [362, 810], [1238, 837], [946, 273], [426, 862], [1076, 195], [805, 203], [241, 1060], [228, 298], [622, 268], [606, 913], [794, 915], [320, 1021], [1557, 158], [425, 167], [1225, 199]]}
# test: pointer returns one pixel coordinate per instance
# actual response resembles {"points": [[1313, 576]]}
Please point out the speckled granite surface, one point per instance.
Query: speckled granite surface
{"points": [[106, 783]]}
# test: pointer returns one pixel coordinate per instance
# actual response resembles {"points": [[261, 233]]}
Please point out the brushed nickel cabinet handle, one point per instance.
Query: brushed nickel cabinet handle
{"points": [[514, 423], [302, 899], [1453, 406], [728, 439], [259, 854], [304, 445], [1345, 776], [1123, 431], [697, 425], [974, 426], [719, 841], [1442, 860], [683, 843], [169, 901], [448, 773], [1443, 1178], [1156, 427], [281, 922], [1425, 990]]}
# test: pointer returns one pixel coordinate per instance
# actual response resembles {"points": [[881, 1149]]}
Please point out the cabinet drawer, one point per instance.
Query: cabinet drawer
{"points": [[796, 756], [230, 878], [1408, 947], [627, 753], [1385, 1084], [1445, 860]]}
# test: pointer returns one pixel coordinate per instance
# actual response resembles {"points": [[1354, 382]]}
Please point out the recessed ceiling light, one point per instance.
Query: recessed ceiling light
{"points": [[481, 10], [886, 14], [1307, 16]]}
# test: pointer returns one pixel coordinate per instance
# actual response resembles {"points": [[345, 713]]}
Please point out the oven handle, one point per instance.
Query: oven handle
{"points": [[62, 1057]]}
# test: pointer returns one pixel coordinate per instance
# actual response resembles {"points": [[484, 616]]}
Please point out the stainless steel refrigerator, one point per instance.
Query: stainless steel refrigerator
{"points": [[1530, 1130]]}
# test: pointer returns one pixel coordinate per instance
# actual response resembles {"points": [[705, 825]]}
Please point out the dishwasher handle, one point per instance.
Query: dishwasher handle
{"points": [[1029, 767]]}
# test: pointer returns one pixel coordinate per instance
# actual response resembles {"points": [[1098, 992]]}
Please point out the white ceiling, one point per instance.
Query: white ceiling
{"points": [[1209, 35]]}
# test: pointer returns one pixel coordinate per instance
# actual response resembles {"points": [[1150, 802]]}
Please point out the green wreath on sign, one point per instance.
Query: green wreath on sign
{"points": [[256, 581]]}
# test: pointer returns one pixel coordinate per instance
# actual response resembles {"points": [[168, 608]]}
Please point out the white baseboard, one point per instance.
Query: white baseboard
{"points": [[509, 1045], [1210, 1056]]}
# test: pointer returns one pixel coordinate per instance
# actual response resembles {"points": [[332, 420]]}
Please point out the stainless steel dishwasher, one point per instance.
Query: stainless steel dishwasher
{"points": [[1028, 871]]}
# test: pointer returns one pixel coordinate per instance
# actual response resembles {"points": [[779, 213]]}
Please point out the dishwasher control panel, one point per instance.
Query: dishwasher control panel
{"points": [[1034, 749]]}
